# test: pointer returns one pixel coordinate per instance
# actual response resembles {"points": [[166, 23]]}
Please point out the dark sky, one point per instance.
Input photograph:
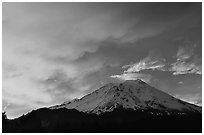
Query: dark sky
{"points": [[54, 52]]}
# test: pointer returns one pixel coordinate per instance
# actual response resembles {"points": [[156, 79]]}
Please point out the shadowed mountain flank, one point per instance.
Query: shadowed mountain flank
{"points": [[131, 106]]}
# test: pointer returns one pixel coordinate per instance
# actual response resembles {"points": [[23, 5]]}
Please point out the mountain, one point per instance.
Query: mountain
{"points": [[136, 95], [131, 106]]}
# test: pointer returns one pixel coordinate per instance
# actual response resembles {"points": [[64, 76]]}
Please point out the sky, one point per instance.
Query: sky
{"points": [[55, 52]]}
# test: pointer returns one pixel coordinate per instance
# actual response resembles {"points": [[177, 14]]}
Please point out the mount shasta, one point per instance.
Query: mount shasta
{"points": [[136, 95], [131, 106]]}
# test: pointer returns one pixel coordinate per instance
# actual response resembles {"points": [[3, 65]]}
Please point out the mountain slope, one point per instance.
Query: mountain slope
{"points": [[132, 106], [136, 95]]}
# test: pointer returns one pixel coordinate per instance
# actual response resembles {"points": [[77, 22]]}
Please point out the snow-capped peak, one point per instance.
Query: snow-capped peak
{"points": [[131, 94]]}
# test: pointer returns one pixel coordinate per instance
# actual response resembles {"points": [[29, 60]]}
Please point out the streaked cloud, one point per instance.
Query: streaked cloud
{"points": [[133, 76], [185, 52], [59, 51], [148, 62], [186, 68], [187, 62], [134, 71], [41, 46]]}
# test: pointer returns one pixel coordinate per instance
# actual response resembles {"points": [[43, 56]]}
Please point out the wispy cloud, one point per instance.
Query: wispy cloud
{"points": [[133, 76], [187, 62], [39, 41], [133, 71], [51, 51], [145, 64], [185, 52], [185, 68]]}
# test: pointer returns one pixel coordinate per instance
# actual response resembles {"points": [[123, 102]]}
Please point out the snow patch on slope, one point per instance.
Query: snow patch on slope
{"points": [[136, 95]]}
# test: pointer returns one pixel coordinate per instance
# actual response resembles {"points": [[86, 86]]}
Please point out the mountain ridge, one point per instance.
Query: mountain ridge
{"points": [[113, 108], [132, 94]]}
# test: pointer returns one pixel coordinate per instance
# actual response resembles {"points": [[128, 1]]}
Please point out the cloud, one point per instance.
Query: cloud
{"points": [[186, 68], [67, 31], [152, 61], [145, 64], [48, 84], [14, 110], [187, 62], [133, 71], [45, 46], [133, 76], [181, 83], [185, 52], [44, 38], [10, 71]]}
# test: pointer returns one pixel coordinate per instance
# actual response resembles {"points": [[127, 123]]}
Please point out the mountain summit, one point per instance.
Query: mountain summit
{"points": [[131, 106], [131, 94]]}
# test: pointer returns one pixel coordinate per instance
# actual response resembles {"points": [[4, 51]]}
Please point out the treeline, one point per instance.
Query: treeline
{"points": [[119, 120]]}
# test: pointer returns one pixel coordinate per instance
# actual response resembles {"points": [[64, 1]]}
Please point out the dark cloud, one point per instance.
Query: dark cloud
{"points": [[53, 52]]}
